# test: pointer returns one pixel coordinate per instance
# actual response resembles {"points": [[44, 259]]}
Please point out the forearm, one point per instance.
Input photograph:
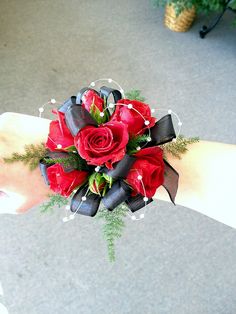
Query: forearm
{"points": [[206, 183]]}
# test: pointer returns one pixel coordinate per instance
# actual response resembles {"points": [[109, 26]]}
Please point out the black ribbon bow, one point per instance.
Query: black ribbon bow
{"points": [[84, 203]]}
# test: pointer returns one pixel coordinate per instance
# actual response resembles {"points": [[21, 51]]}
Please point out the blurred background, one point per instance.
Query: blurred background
{"points": [[175, 260]]}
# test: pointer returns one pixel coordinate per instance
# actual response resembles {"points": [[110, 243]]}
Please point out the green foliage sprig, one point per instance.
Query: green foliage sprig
{"points": [[176, 149], [54, 200], [135, 94], [33, 154], [73, 160], [113, 227], [134, 142]]}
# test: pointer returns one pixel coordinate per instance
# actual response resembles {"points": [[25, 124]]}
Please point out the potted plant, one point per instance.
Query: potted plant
{"points": [[180, 14]]}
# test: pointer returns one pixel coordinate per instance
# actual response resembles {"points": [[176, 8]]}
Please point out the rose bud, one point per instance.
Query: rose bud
{"points": [[97, 183], [59, 137], [63, 182], [134, 117], [94, 104], [105, 144], [147, 172]]}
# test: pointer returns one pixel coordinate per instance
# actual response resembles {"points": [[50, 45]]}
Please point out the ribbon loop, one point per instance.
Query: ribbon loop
{"points": [[88, 207], [107, 91], [77, 117], [163, 131], [118, 193], [67, 104], [81, 92], [121, 168], [136, 202], [171, 180]]}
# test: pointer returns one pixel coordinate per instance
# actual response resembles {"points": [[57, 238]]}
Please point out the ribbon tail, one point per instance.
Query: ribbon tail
{"points": [[171, 181]]}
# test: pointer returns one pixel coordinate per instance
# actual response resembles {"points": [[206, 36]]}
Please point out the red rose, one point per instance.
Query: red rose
{"points": [[135, 121], [104, 144], [65, 182], [92, 101], [59, 136], [150, 165]]}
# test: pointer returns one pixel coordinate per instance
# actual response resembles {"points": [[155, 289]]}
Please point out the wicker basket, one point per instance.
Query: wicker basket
{"points": [[179, 23]]}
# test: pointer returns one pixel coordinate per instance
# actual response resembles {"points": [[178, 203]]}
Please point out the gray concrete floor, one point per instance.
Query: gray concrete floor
{"points": [[176, 260]]}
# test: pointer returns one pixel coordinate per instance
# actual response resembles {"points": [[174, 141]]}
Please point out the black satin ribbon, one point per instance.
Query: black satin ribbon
{"points": [[171, 181], [81, 93], [163, 131], [136, 202], [67, 104], [43, 168], [77, 117], [105, 92], [89, 207], [118, 193], [120, 169]]}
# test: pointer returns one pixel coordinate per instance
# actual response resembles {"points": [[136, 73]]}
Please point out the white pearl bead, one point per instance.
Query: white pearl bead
{"points": [[145, 199], [141, 216], [59, 146], [149, 139], [41, 109], [97, 169], [169, 111], [133, 217], [92, 84], [140, 177], [84, 198], [130, 106], [146, 122], [53, 101], [111, 105], [109, 80], [153, 110], [67, 207], [180, 123], [101, 114], [138, 148]]}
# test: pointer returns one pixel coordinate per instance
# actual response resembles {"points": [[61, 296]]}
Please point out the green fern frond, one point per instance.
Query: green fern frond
{"points": [[55, 200], [135, 94], [113, 227], [73, 160], [176, 149], [33, 154], [135, 142]]}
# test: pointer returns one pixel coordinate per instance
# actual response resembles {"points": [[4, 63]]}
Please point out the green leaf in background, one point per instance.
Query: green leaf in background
{"points": [[135, 94]]}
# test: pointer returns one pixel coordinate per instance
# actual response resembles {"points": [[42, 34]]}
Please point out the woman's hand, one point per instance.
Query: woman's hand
{"points": [[20, 188]]}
